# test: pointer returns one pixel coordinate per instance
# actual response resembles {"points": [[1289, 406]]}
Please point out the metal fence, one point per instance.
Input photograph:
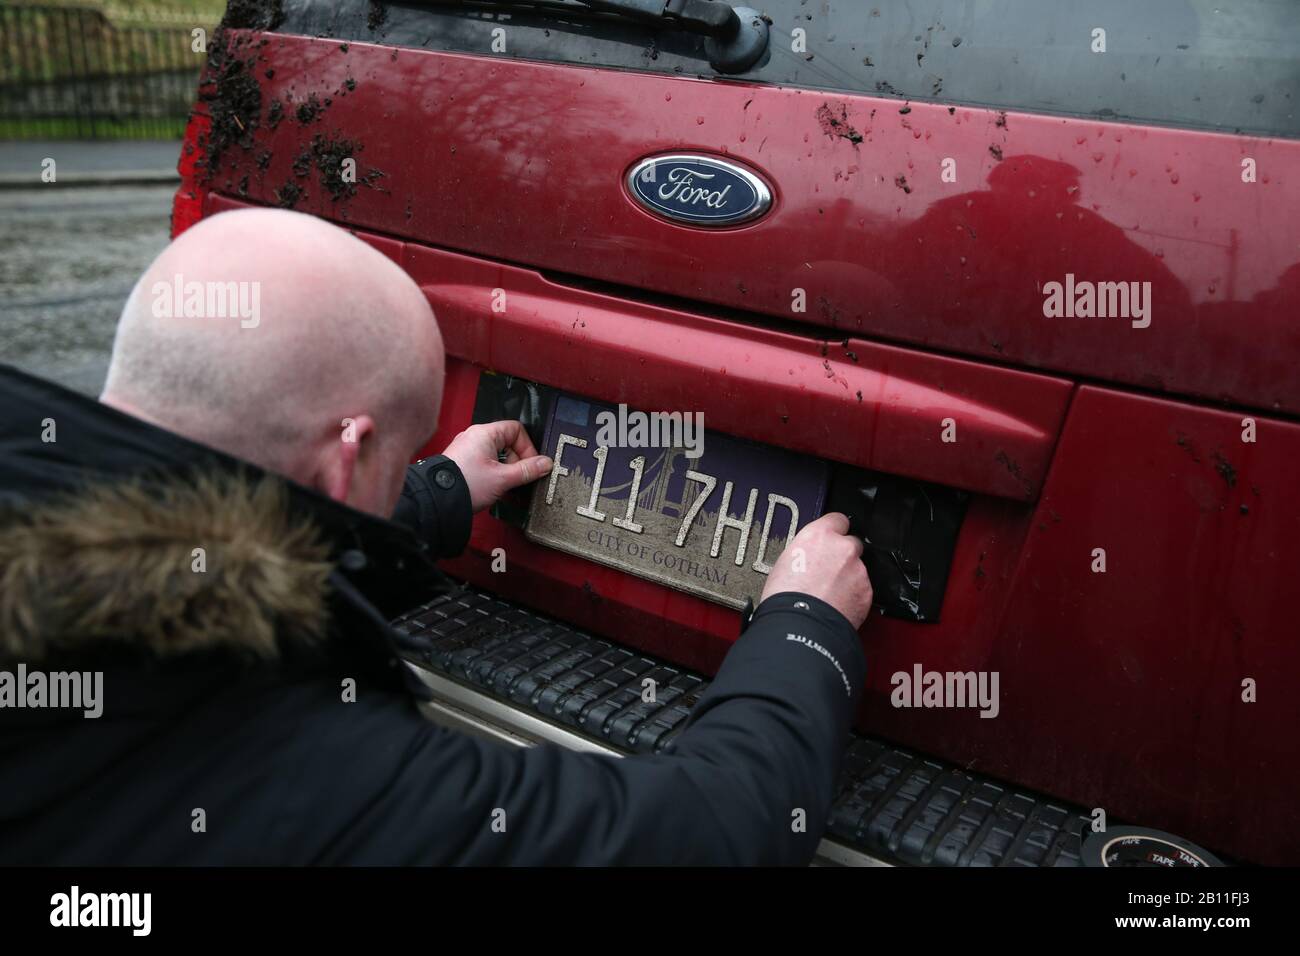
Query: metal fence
{"points": [[72, 73]]}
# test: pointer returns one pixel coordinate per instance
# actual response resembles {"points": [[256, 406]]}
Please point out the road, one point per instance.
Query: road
{"points": [[68, 259]]}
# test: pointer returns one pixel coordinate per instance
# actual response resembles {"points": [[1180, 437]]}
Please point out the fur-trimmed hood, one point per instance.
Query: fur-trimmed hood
{"points": [[175, 566], [115, 533]]}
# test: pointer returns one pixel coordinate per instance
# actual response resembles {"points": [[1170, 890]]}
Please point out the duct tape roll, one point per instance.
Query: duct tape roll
{"points": [[1140, 846]]}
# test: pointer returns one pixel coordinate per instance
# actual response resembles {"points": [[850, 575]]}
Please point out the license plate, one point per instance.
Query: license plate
{"points": [[657, 512]]}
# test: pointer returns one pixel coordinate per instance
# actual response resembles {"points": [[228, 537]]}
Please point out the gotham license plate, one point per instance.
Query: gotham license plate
{"points": [[697, 511]]}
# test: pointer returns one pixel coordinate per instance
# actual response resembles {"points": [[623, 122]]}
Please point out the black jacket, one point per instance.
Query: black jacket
{"points": [[224, 736]]}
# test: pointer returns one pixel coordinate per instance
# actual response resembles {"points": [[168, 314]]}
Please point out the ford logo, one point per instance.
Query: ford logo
{"points": [[698, 190]]}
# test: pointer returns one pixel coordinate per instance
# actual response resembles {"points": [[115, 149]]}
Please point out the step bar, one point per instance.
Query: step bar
{"points": [[508, 674], [471, 711]]}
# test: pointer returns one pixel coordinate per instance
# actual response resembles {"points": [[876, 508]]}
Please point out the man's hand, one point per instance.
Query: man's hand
{"points": [[475, 453], [824, 560]]}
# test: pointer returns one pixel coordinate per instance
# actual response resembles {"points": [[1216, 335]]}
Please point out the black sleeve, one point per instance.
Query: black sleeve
{"points": [[749, 781], [435, 504]]}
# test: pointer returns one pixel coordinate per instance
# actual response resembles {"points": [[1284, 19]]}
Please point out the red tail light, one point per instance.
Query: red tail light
{"points": [[187, 205]]}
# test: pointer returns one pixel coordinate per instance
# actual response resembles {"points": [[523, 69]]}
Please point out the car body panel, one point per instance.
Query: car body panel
{"points": [[1121, 689], [496, 158]]}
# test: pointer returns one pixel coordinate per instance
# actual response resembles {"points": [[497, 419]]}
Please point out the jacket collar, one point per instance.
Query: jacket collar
{"points": [[75, 472]]}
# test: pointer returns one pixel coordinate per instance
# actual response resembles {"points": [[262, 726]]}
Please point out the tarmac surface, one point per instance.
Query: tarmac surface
{"points": [[88, 163], [68, 260]]}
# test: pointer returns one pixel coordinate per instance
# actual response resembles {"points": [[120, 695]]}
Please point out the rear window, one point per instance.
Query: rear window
{"points": [[1224, 65]]}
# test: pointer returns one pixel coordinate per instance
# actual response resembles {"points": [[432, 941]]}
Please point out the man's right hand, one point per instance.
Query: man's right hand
{"points": [[824, 560]]}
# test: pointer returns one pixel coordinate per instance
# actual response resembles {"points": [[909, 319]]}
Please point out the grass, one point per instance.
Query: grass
{"points": [[202, 12], [12, 128], [40, 53]]}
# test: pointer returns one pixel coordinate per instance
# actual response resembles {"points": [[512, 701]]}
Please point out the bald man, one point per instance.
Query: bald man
{"points": [[196, 576]]}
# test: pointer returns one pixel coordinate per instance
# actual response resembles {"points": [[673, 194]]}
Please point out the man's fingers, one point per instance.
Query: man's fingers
{"points": [[504, 433], [525, 470], [858, 545], [522, 445], [834, 521], [511, 435]]}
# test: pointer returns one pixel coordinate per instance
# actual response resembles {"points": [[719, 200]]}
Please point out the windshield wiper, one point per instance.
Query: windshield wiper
{"points": [[735, 38]]}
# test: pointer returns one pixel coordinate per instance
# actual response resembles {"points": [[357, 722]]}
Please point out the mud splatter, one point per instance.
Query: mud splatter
{"points": [[309, 110], [234, 101], [1185, 444], [995, 151], [275, 114], [1003, 459], [287, 196], [901, 183], [328, 155], [834, 124], [377, 15], [1225, 470]]}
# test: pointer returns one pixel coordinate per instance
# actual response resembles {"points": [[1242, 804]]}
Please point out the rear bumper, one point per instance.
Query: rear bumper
{"points": [[506, 673]]}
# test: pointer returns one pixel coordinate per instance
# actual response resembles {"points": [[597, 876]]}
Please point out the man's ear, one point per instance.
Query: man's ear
{"points": [[339, 464]]}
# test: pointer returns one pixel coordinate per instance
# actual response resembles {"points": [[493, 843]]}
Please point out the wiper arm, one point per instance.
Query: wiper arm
{"points": [[690, 16], [735, 38]]}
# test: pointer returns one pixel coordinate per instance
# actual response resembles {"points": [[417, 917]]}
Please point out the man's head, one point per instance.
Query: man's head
{"points": [[311, 354]]}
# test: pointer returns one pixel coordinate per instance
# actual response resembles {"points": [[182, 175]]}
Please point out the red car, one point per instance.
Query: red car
{"points": [[1015, 285]]}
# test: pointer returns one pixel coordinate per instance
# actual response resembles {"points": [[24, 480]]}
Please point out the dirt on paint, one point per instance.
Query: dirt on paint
{"points": [[330, 156], [837, 124], [287, 196], [234, 101], [995, 151], [901, 183], [377, 14], [234, 96], [1225, 470], [1013, 467], [309, 110]]}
